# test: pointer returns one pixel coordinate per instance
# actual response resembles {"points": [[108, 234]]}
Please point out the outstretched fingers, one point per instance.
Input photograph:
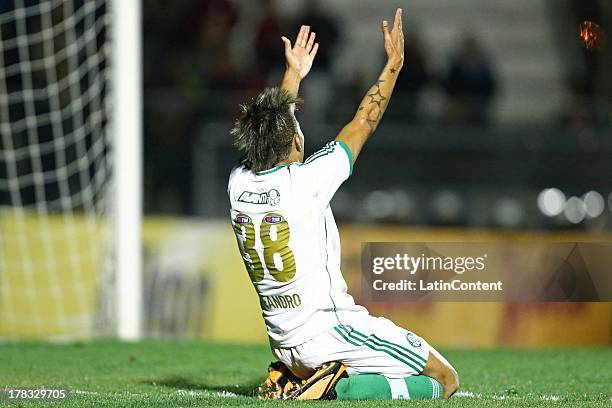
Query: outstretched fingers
{"points": [[385, 30], [298, 39], [287, 43], [311, 41], [314, 50], [397, 24], [302, 36]]}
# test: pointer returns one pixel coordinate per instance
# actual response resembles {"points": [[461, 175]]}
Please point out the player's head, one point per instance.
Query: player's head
{"points": [[267, 131]]}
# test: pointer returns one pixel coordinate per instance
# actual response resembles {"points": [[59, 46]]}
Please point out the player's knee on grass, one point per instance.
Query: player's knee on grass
{"points": [[441, 370]]}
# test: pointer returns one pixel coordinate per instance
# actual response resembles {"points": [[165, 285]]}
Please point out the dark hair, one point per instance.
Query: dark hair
{"points": [[266, 128]]}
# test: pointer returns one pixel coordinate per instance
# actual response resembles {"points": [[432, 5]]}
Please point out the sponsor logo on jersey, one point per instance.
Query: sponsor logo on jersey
{"points": [[271, 197], [242, 219], [273, 219], [413, 339]]}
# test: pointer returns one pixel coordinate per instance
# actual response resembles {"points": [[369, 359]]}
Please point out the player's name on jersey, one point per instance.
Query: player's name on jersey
{"points": [[438, 285], [280, 302]]}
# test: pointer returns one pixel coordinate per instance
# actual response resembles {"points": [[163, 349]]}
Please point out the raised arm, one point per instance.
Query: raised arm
{"points": [[374, 103], [299, 59]]}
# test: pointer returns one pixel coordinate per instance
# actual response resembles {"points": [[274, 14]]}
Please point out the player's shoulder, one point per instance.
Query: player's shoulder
{"points": [[329, 148], [334, 153], [234, 175]]}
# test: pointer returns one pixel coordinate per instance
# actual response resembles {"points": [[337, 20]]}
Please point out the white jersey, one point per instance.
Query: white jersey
{"points": [[290, 244]]}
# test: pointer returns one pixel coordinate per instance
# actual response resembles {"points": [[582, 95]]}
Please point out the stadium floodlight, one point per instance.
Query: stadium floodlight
{"points": [[70, 168]]}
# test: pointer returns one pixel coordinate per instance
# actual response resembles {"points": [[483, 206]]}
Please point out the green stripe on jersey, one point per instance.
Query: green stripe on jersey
{"points": [[407, 350], [349, 154], [261, 173], [327, 149], [407, 353], [350, 338]]}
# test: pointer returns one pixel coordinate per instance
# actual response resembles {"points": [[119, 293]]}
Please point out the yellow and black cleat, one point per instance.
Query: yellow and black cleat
{"points": [[320, 386], [280, 380]]}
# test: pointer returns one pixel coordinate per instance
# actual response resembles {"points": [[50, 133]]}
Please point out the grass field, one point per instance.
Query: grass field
{"points": [[169, 374]]}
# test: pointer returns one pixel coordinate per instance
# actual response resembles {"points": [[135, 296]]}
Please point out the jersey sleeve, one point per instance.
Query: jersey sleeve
{"points": [[325, 170], [232, 178]]}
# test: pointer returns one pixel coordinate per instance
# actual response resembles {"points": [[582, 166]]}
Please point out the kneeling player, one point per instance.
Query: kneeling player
{"points": [[290, 245]]}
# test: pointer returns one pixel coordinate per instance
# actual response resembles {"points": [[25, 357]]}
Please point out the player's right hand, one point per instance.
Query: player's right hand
{"points": [[300, 56], [394, 40]]}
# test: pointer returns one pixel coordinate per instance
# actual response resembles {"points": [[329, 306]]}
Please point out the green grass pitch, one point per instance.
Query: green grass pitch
{"points": [[173, 374]]}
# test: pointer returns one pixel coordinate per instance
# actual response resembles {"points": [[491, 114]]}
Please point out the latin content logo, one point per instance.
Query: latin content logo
{"points": [[271, 197]]}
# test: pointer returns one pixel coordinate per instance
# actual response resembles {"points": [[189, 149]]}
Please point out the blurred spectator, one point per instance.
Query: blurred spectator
{"points": [[581, 111], [348, 91], [208, 16], [319, 87], [185, 46], [219, 17], [174, 29], [414, 76], [469, 83], [327, 31], [268, 46]]}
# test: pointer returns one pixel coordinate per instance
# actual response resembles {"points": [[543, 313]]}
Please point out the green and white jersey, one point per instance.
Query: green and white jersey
{"points": [[290, 245]]}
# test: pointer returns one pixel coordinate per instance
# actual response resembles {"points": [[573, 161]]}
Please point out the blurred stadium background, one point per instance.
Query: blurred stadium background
{"points": [[499, 130]]}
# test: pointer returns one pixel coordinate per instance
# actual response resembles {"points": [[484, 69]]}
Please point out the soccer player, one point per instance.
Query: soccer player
{"points": [[290, 245]]}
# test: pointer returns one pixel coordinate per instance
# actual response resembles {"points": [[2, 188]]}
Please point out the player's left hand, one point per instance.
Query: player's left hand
{"points": [[394, 40], [300, 57]]}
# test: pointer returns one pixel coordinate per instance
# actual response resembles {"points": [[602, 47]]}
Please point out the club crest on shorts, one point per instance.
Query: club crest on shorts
{"points": [[413, 339]]}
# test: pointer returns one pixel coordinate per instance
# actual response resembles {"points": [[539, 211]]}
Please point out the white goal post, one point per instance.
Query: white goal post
{"points": [[127, 129]]}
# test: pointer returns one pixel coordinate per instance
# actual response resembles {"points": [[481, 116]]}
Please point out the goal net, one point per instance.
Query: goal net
{"points": [[56, 178]]}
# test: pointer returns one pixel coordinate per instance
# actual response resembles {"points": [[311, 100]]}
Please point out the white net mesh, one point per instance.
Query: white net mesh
{"points": [[55, 166]]}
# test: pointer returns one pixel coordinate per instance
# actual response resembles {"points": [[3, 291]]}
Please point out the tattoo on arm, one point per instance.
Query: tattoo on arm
{"points": [[375, 106], [371, 109], [376, 100]]}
